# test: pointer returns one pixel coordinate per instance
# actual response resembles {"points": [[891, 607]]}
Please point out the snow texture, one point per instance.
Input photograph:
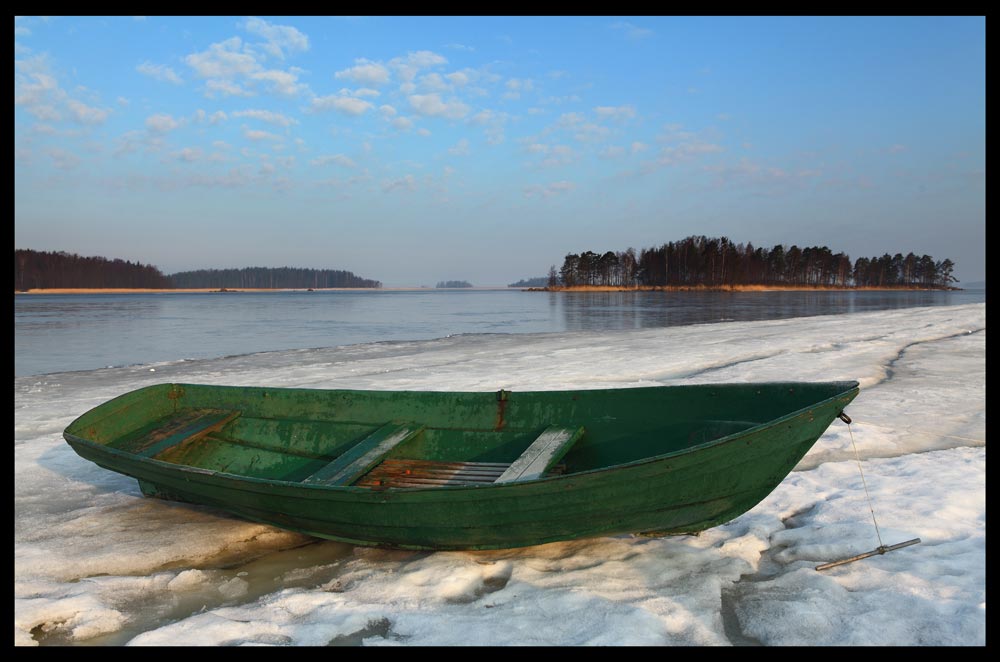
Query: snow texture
{"points": [[96, 563]]}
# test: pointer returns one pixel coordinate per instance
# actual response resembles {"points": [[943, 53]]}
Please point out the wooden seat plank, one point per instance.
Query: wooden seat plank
{"points": [[360, 458], [186, 425], [542, 454]]}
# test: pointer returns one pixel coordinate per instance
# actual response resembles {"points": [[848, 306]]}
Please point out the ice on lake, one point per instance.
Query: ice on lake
{"points": [[96, 563]]}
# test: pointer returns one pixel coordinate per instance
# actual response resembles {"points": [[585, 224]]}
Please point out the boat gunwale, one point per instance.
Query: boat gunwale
{"points": [[852, 386]]}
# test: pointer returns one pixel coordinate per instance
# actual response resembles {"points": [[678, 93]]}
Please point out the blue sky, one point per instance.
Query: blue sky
{"points": [[418, 149]]}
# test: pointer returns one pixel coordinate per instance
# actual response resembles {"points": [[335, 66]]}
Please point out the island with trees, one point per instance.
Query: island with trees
{"points": [[447, 284], [268, 278], [700, 262], [540, 281], [59, 270]]}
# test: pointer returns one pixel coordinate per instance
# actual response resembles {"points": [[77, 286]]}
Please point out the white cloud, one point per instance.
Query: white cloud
{"points": [[515, 86], [227, 88], [200, 116], [230, 68], [223, 60], [280, 38], [256, 134], [159, 72], [432, 106], [406, 68], [590, 132], [342, 104], [459, 78], [615, 112], [402, 123], [631, 31], [339, 159], [280, 82], [366, 92], [637, 147], [122, 101], [63, 159], [553, 155], [570, 98], [460, 149], [387, 110], [85, 114], [405, 183], [45, 113], [460, 47], [770, 178], [548, 190], [612, 152], [434, 82], [424, 132], [268, 116], [189, 154], [494, 123], [569, 120], [161, 123], [366, 72], [35, 86], [686, 151], [483, 117]]}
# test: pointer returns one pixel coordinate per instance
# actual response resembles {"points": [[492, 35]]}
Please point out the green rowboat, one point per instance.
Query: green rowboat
{"points": [[441, 470]]}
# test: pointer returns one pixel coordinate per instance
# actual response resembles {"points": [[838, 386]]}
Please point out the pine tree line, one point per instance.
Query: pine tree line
{"points": [[718, 262], [269, 278], [58, 269]]}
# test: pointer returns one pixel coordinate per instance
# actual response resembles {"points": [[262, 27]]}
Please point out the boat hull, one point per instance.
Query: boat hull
{"points": [[681, 491]]}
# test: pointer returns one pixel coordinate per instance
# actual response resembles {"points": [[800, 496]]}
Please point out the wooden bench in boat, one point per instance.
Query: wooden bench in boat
{"points": [[360, 458], [539, 459], [545, 451], [186, 425]]}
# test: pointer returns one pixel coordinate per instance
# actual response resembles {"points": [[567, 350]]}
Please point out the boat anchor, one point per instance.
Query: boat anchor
{"points": [[878, 550]]}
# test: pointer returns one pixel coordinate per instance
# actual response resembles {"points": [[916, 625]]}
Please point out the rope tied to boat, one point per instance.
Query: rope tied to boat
{"points": [[882, 547], [857, 457]]}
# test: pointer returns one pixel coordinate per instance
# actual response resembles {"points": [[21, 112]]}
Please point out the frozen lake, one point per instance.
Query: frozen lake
{"points": [[59, 333], [96, 563]]}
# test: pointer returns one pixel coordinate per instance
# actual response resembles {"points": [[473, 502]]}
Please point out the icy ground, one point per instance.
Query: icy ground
{"points": [[95, 563]]}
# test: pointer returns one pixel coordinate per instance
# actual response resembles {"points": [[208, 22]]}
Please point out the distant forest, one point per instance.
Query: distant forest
{"points": [[541, 281], [718, 262], [41, 270], [454, 283], [47, 270], [269, 278]]}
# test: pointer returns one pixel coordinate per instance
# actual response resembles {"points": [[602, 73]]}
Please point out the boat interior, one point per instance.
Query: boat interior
{"points": [[381, 440]]}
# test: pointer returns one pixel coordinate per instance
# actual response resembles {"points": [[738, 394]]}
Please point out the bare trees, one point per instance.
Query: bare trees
{"points": [[47, 270], [718, 262]]}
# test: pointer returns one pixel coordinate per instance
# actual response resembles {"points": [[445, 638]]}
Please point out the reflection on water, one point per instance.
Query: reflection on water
{"points": [[595, 311], [57, 333]]}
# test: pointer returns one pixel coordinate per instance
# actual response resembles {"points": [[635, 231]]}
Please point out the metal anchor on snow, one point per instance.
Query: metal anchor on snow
{"points": [[882, 548]]}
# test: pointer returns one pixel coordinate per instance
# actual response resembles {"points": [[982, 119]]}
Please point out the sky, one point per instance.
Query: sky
{"points": [[413, 150], [97, 563]]}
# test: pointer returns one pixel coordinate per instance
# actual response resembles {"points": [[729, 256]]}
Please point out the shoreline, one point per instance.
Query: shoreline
{"points": [[736, 288], [224, 290], [575, 288]]}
